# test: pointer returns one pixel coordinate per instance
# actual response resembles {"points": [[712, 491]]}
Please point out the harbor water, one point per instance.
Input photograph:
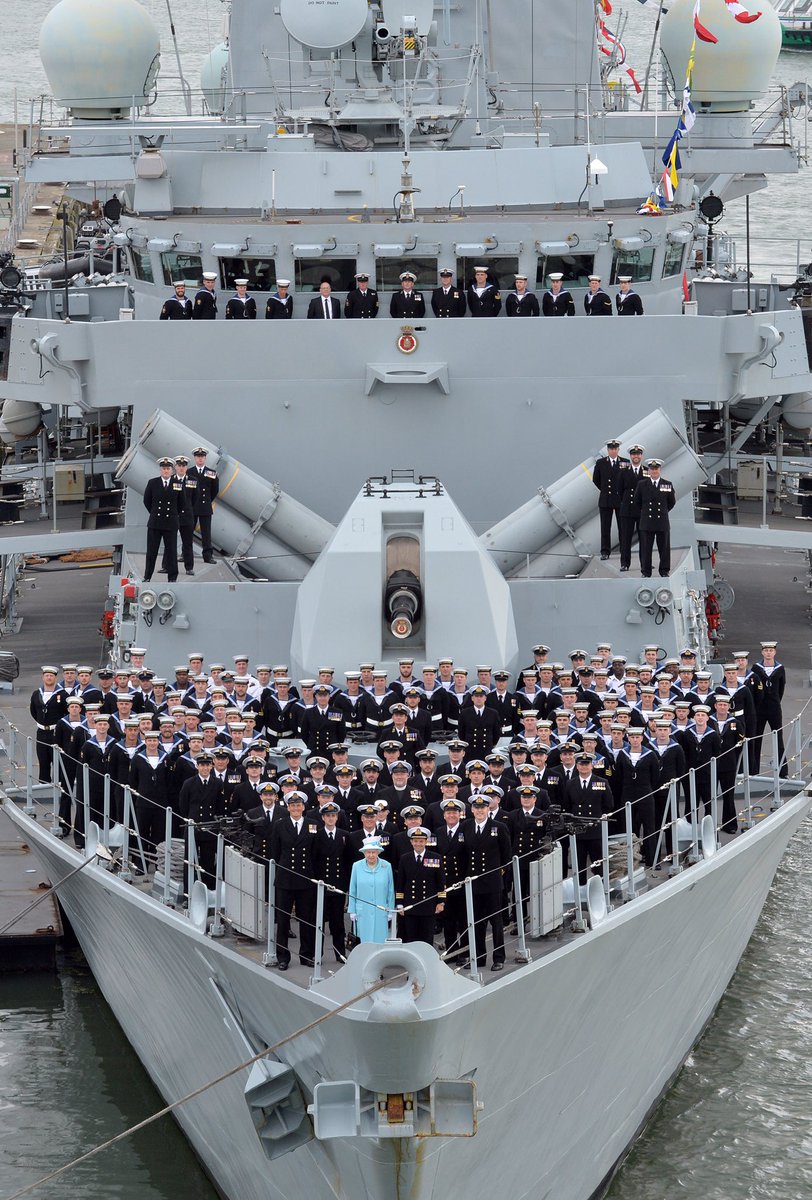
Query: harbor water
{"points": [[737, 1125]]}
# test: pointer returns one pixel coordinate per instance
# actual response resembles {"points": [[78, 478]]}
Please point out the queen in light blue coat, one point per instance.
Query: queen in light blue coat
{"points": [[372, 894]]}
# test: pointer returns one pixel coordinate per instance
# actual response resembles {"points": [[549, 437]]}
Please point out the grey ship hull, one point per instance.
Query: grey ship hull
{"points": [[607, 1022]]}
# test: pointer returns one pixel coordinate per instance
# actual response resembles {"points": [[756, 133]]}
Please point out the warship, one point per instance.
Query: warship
{"points": [[419, 487]]}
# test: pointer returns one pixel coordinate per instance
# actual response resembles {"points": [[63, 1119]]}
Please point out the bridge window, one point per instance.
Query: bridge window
{"points": [[260, 273], [501, 270], [142, 265], [387, 272], [574, 267], [310, 273], [674, 254], [637, 263], [176, 265]]}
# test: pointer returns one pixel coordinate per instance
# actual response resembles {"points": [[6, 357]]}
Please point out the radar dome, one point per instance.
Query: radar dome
{"points": [[214, 78], [729, 75], [322, 26], [100, 56]]}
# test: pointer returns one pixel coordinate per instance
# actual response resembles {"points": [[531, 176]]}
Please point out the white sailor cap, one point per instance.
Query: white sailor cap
{"points": [[594, 277], [517, 276], [209, 274], [408, 275], [195, 653], [764, 646], [283, 283], [556, 276], [241, 283], [480, 268], [48, 669], [179, 283], [623, 278]]}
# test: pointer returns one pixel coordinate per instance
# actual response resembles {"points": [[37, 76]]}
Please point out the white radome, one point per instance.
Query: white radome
{"points": [[735, 71], [100, 55], [214, 78]]}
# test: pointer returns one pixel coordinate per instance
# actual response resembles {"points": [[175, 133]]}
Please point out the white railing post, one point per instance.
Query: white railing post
{"points": [[631, 890], [578, 923], [317, 976], [166, 898], [469, 910], [522, 954], [694, 857], [269, 957]]}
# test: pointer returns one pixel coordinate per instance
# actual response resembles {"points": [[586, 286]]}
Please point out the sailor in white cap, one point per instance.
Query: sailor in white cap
{"points": [[484, 299], [520, 302], [597, 302], [557, 301], [178, 307], [653, 502], [241, 306], [280, 304], [205, 306], [447, 300], [407, 304], [362, 300], [628, 302], [768, 680]]}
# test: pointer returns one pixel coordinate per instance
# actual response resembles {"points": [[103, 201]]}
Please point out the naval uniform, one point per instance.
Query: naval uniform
{"points": [[205, 307], [361, 305], [208, 486], [598, 304], [653, 502], [420, 888], [319, 728], [529, 838], [407, 306], [176, 309], [201, 801], [559, 304], [483, 302], [591, 798], [241, 308], [450, 845], [278, 309], [731, 737], [629, 304], [331, 864], [292, 852], [488, 855], [448, 302], [524, 305], [163, 499], [767, 688], [607, 476], [481, 728], [186, 520], [630, 476], [47, 712], [637, 782]]}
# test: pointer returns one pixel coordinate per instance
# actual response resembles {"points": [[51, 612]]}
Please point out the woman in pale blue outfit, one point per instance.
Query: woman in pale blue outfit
{"points": [[372, 894]]}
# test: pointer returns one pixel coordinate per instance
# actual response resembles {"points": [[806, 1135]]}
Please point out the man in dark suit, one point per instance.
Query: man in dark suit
{"points": [[527, 827], [362, 300], [331, 864], [606, 476], [451, 847], [201, 801], [447, 300], [260, 820], [292, 842], [479, 725], [653, 502], [487, 845], [588, 795], [420, 889], [325, 306], [163, 500]]}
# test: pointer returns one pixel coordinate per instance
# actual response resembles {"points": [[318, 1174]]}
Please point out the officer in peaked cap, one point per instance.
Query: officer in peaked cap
{"points": [[520, 302], [163, 499], [557, 301], [186, 515], [280, 304], [208, 487], [607, 478], [628, 302], [629, 479], [178, 307], [484, 298], [447, 300], [420, 888], [653, 501], [407, 304], [241, 306], [205, 306], [597, 302], [362, 300]]}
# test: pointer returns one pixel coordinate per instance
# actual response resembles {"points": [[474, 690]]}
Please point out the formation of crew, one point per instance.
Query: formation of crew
{"points": [[480, 298], [179, 499], [636, 497], [585, 738]]}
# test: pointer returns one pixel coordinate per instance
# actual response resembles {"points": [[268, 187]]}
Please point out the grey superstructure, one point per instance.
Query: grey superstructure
{"points": [[382, 138]]}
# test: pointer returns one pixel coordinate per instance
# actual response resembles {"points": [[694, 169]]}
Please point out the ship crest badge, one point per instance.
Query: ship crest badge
{"points": [[407, 342]]}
